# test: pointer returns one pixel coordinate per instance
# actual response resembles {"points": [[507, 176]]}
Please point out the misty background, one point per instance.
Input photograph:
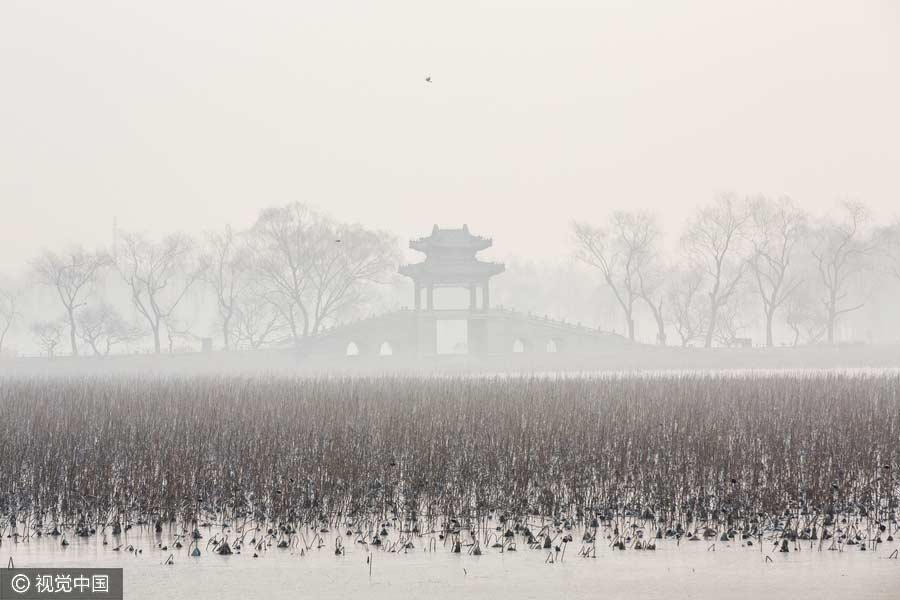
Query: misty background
{"points": [[188, 118]]}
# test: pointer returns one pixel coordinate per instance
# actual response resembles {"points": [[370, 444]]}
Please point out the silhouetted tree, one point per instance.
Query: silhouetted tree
{"points": [[282, 241], [344, 260], [842, 249], [715, 243], [805, 316], [311, 268], [778, 229], [228, 275], [685, 299], [652, 286], [258, 322], [48, 335], [733, 319], [622, 251], [72, 275], [159, 275], [101, 327], [176, 330], [9, 312]]}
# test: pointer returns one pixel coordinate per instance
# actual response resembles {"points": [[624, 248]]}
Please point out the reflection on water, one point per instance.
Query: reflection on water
{"points": [[723, 570]]}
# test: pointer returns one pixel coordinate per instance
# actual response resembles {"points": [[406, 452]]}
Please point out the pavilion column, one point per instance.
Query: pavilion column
{"points": [[430, 295], [486, 294], [472, 301], [418, 293]]}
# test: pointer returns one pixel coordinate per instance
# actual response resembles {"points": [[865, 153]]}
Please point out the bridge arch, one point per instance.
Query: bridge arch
{"points": [[521, 345]]}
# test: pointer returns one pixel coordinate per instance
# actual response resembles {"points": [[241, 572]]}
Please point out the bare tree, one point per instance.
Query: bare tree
{"points": [[101, 327], [732, 320], [159, 275], [651, 289], [282, 242], [72, 275], [258, 323], [228, 274], [778, 229], [621, 252], [9, 312], [344, 261], [310, 268], [685, 298], [714, 241], [805, 316], [48, 335], [176, 330], [842, 249]]}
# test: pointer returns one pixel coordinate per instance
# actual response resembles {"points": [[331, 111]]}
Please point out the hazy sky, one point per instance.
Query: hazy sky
{"points": [[191, 115]]}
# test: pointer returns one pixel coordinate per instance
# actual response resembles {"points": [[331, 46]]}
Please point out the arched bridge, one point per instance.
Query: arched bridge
{"points": [[493, 332], [480, 330]]}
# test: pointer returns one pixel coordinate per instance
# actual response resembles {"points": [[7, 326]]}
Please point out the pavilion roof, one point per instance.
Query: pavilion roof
{"points": [[450, 239]]}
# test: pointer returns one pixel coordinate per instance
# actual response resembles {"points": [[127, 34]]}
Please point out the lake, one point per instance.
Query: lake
{"points": [[688, 570]]}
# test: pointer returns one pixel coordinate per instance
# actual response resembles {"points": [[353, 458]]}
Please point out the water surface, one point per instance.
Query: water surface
{"points": [[688, 570]]}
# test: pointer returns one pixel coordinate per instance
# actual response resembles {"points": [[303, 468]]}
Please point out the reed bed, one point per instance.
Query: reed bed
{"points": [[666, 449]]}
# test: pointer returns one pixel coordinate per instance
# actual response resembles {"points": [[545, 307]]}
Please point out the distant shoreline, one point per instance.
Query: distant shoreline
{"points": [[637, 358]]}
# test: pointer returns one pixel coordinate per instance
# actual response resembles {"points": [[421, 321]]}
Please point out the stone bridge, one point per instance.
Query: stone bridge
{"points": [[488, 333], [483, 331]]}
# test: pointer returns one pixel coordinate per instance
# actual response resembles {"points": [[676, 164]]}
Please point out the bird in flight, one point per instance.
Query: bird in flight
{"points": [[428, 78]]}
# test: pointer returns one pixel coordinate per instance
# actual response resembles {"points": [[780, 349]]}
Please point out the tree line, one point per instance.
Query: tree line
{"points": [[738, 258], [284, 278], [738, 263]]}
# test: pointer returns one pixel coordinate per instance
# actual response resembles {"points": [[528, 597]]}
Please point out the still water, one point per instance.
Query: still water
{"points": [[691, 570]]}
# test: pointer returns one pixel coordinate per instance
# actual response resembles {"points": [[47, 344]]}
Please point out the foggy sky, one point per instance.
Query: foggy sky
{"points": [[192, 115]]}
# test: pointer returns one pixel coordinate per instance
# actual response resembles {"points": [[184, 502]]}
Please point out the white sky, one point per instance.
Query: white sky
{"points": [[191, 115]]}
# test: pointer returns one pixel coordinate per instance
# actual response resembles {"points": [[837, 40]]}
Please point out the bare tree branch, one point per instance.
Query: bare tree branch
{"points": [[685, 299], [9, 313], [159, 275], [72, 275], [621, 251], [715, 244], [312, 268], [842, 249], [778, 228], [101, 327], [48, 335]]}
